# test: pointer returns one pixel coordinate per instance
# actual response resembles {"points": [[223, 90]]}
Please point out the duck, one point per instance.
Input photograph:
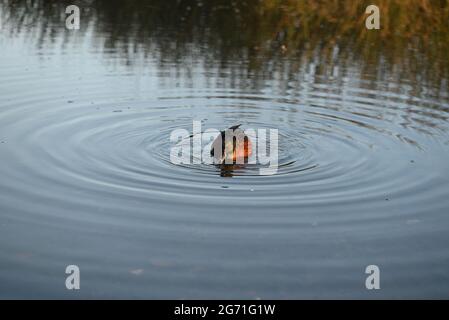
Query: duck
{"points": [[232, 151]]}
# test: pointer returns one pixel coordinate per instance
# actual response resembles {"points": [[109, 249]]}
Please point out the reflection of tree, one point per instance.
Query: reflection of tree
{"points": [[413, 40]]}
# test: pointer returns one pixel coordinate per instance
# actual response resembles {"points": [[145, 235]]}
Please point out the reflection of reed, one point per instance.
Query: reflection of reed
{"points": [[413, 39]]}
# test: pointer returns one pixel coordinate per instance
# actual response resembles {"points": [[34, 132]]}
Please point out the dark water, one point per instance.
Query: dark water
{"points": [[86, 178]]}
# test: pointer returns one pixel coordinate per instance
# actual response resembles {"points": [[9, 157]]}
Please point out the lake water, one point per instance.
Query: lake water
{"points": [[86, 177]]}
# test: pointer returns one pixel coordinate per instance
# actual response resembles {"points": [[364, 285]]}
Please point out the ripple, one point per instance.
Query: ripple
{"points": [[85, 159], [327, 155]]}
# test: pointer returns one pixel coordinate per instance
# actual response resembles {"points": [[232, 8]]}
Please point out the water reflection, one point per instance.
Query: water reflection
{"points": [[263, 35]]}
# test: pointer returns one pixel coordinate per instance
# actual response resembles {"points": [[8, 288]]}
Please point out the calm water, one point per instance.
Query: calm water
{"points": [[86, 179]]}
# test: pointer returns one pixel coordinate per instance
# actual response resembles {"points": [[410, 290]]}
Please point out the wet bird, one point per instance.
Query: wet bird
{"points": [[231, 149]]}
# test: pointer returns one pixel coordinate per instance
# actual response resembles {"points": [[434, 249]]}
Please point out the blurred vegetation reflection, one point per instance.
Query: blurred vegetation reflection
{"points": [[257, 37]]}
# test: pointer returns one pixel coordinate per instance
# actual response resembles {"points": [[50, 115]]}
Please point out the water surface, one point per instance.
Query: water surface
{"points": [[86, 177]]}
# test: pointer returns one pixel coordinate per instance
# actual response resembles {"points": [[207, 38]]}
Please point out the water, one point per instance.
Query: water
{"points": [[86, 177]]}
